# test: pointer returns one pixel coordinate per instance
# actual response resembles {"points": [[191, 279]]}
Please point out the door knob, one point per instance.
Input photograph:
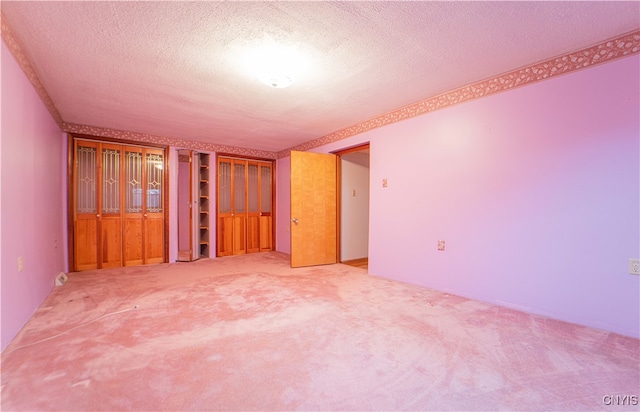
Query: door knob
{"points": [[98, 215], [145, 215], [294, 220]]}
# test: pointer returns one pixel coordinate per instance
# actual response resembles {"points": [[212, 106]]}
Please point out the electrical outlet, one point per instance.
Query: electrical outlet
{"points": [[354, 192], [385, 182], [20, 264], [441, 245], [61, 279], [634, 266]]}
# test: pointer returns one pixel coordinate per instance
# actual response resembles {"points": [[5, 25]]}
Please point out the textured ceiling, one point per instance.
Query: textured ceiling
{"points": [[173, 69]]}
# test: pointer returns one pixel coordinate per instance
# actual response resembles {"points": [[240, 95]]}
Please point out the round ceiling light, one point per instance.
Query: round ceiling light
{"points": [[277, 81], [274, 64]]}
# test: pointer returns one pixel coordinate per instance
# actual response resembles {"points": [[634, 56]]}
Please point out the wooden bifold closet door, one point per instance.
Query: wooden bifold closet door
{"points": [[118, 205], [245, 203]]}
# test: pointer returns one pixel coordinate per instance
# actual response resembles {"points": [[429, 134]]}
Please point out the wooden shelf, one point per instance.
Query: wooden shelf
{"points": [[203, 195]]}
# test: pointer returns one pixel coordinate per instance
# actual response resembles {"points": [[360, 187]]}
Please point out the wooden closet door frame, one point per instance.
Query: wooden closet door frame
{"points": [[273, 191], [71, 139], [340, 153]]}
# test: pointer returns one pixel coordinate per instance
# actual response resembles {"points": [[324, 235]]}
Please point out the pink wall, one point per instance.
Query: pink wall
{"points": [[536, 192], [184, 200], [283, 205], [354, 209], [32, 199]]}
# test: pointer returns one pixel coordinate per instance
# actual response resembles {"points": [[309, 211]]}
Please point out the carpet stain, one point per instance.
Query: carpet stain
{"points": [[251, 333]]}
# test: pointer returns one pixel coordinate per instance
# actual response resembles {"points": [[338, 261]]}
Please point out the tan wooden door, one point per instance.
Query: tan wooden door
{"points": [[118, 205], [232, 207], [245, 203], [110, 201], [313, 209], [265, 184], [253, 207], [185, 205], [239, 215], [153, 216], [144, 206], [97, 206], [224, 230], [134, 206], [85, 210]]}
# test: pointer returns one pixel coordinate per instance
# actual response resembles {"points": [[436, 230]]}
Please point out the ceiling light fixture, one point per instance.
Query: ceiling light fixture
{"points": [[274, 64], [279, 81]]}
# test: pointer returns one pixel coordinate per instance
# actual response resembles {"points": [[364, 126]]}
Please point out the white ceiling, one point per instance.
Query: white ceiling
{"points": [[171, 69]]}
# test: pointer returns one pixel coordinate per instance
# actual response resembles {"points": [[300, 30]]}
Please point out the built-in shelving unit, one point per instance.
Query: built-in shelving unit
{"points": [[203, 204]]}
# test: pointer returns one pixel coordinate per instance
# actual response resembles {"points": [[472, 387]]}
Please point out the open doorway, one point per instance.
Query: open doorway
{"points": [[354, 206], [185, 216]]}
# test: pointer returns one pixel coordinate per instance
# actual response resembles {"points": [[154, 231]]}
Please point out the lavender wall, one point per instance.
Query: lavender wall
{"points": [[536, 192], [354, 209], [283, 205], [32, 199]]}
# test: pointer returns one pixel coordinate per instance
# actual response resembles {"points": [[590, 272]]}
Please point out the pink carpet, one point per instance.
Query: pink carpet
{"points": [[250, 333]]}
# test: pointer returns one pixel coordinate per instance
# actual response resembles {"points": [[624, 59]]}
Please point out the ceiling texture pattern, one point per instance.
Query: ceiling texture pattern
{"points": [[172, 72]]}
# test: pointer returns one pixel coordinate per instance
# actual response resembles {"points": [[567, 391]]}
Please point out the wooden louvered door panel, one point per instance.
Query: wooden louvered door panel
{"points": [[134, 206], [110, 221], [85, 211], [245, 203], [253, 207], [153, 216], [144, 206], [265, 185], [238, 183], [118, 205], [224, 227]]}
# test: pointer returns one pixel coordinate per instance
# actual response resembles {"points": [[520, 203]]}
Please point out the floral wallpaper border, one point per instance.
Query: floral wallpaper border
{"points": [[618, 47], [168, 141], [15, 49], [621, 46]]}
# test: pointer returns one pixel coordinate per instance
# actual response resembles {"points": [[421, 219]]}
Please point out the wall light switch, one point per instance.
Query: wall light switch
{"points": [[634, 266], [20, 264], [441, 245]]}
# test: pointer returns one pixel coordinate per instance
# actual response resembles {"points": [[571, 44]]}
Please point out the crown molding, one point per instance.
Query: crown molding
{"points": [[165, 141], [17, 51], [606, 51]]}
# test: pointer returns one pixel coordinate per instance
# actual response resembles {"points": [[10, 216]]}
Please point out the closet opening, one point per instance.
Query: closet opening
{"points": [[117, 203], [194, 210], [245, 205], [353, 206]]}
